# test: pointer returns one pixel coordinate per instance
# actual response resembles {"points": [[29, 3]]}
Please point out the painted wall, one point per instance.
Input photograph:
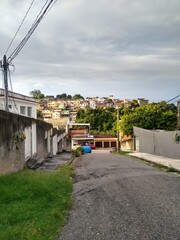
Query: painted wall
{"points": [[157, 142]]}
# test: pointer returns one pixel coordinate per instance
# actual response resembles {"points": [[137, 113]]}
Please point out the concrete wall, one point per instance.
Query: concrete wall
{"points": [[21, 138], [24, 139], [157, 142], [12, 144]]}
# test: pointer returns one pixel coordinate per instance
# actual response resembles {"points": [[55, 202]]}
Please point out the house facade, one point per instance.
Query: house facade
{"points": [[19, 104]]}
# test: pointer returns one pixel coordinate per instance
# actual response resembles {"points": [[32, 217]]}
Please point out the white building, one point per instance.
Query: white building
{"points": [[19, 104]]}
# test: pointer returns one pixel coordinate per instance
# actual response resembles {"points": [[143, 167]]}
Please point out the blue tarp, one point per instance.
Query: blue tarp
{"points": [[86, 149]]}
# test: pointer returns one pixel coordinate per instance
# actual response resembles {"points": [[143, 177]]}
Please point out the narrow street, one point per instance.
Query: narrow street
{"points": [[119, 198]]}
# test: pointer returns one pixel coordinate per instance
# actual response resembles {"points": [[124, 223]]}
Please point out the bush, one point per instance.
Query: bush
{"points": [[77, 152]]}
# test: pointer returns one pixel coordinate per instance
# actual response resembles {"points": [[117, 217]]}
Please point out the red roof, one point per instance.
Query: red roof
{"points": [[104, 136], [126, 138]]}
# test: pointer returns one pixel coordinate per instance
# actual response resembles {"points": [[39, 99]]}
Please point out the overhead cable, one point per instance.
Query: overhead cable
{"points": [[30, 32], [173, 98], [19, 26]]}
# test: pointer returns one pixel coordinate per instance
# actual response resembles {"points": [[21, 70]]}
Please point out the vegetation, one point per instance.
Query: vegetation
{"points": [[37, 94], [77, 152], [153, 116], [77, 96], [39, 115], [64, 96], [101, 120], [34, 204]]}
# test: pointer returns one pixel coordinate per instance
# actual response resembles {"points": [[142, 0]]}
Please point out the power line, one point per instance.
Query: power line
{"points": [[14, 106], [30, 32], [173, 98], [19, 26]]}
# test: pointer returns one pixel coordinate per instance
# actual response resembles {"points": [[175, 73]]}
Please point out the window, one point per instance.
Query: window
{"points": [[29, 111], [23, 110]]}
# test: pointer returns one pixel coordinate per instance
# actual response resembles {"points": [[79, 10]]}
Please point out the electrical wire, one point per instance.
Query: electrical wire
{"points": [[14, 106], [19, 26], [41, 10], [30, 32], [173, 98], [50, 8]]}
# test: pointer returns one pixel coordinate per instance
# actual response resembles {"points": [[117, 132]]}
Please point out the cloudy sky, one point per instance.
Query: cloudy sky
{"points": [[125, 48]]}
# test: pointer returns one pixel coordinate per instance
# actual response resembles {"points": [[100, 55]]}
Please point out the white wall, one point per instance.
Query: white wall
{"points": [[28, 143], [34, 139], [15, 105]]}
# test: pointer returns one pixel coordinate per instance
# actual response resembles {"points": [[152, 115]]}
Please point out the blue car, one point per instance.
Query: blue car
{"points": [[86, 149]]}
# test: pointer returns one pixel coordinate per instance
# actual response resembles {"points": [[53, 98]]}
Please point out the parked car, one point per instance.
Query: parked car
{"points": [[92, 146]]}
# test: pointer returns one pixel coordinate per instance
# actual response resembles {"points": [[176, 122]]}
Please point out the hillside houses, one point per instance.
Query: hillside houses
{"points": [[54, 108]]}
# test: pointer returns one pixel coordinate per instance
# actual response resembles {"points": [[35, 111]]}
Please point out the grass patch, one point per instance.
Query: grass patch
{"points": [[122, 152], [167, 169], [34, 204], [157, 165]]}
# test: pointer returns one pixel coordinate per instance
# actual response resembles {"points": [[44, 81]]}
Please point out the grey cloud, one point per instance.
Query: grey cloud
{"points": [[121, 47]]}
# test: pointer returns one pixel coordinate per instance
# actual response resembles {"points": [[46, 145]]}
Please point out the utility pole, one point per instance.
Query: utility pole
{"points": [[5, 69], [118, 130], [178, 115]]}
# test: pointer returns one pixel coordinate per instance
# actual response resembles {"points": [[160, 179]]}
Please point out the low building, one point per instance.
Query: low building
{"points": [[126, 143], [105, 141], [19, 104]]}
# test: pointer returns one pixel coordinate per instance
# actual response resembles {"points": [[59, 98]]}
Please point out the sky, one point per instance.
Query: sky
{"points": [[126, 48]]}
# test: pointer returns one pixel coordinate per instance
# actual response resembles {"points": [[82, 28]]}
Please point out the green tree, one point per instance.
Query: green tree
{"points": [[61, 96], [77, 96], [101, 120], [152, 116], [36, 94], [69, 97], [134, 104]]}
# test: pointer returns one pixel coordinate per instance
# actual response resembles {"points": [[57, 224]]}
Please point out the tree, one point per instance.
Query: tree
{"points": [[62, 96], [152, 116], [101, 120], [69, 97], [134, 104], [77, 96], [37, 94]]}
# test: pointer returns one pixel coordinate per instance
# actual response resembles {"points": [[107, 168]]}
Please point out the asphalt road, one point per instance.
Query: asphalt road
{"points": [[117, 197]]}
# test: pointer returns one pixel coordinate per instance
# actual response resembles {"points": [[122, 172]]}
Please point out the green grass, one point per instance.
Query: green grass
{"points": [[34, 204], [157, 165], [122, 152]]}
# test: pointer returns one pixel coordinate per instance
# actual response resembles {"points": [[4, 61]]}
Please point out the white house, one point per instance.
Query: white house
{"points": [[19, 104]]}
